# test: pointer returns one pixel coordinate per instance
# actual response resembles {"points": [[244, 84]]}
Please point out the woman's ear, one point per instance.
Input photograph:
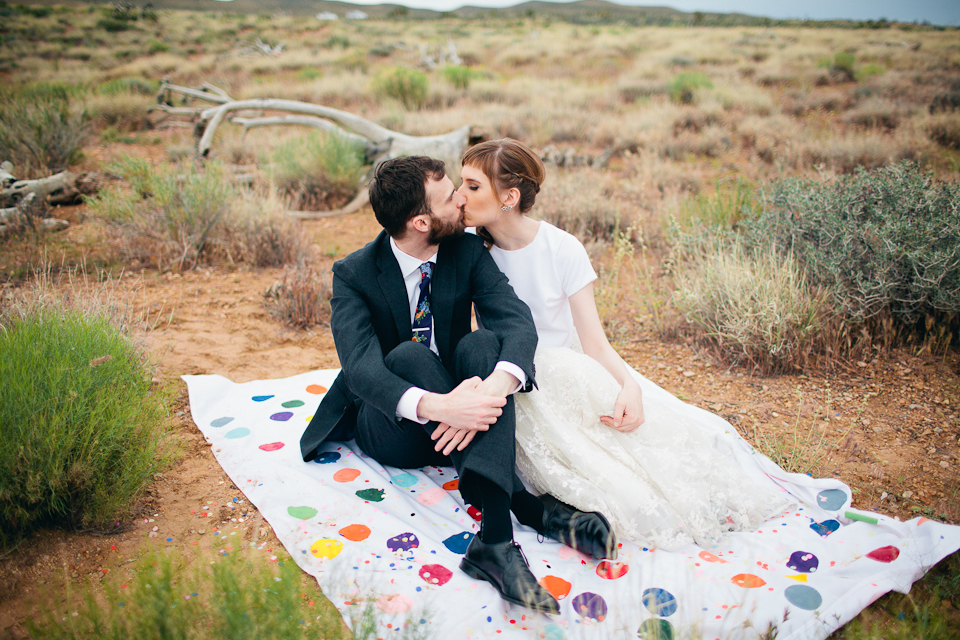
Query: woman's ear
{"points": [[512, 197]]}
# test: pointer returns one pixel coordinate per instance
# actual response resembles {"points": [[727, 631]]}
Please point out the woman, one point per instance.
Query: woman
{"points": [[585, 435]]}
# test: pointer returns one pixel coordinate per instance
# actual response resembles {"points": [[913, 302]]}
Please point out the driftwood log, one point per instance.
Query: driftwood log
{"points": [[378, 142], [29, 213], [61, 188]]}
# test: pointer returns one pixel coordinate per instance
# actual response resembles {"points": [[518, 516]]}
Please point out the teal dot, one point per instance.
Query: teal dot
{"points": [[404, 479], [831, 499], [290, 404], [219, 422], [242, 432], [803, 597]]}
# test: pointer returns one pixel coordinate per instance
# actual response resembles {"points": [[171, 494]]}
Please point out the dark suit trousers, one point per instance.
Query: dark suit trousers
{"points": [[407, 444]]}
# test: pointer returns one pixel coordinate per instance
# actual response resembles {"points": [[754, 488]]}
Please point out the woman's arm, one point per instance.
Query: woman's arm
{"points": [[628, 413]]}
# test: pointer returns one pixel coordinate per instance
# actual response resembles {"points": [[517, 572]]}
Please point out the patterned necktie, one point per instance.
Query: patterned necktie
{"points": [[423, 317]]}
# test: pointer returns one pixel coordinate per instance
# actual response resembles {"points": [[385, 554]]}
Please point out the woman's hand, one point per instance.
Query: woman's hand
{"points": [[628, 412]]}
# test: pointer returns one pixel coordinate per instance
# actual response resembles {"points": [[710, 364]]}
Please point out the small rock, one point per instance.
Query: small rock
{"points": [[877, 429], [688, 374], [932, 450], [907, 494], [201, 531], [944, 464], [156, 528], [884, 495], [152, 534]]}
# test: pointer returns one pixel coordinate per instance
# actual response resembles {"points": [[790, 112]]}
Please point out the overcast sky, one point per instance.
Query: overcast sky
{"points": [[944, 12]]}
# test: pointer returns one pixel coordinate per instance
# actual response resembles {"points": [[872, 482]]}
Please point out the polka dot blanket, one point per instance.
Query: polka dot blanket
{"points": [[396, 537]]}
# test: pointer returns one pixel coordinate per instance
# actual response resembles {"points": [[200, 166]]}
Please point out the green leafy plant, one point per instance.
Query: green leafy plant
{"points": [[318, 170], [459, 77], [408, 86], [40, 131], [681, 89], [84, 427]]}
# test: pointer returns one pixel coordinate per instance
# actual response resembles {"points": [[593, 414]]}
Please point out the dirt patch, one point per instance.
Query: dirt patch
{"points": [[888, 428]]}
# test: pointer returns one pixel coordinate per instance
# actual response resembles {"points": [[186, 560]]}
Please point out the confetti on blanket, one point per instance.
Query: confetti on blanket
{"points": [[396, 536]]}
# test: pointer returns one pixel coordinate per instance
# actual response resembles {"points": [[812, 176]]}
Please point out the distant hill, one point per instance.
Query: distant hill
{"points": [[581, 12]]}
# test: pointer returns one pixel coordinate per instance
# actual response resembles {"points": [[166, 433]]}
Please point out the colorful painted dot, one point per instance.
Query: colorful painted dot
{"points": [[826, 527], [346, 475], [747, 581], [372, 495], [803, 561], [272, 446], [240, 432], [884, 554], [558, 587], [394, 603], [283, 416], [453, 485], [261, 398], [659, 602], [316, 389], [709, 557], [355, 532], [612, 570], [327, 457], [435, 574], [292, 404], [326, 548], [474, 513], [803, 597], [404, 479], [302, 513], [831, 499], [590, 605], [403, 542], [219, 422], [431, 496], [458, 542], [653, 629]]}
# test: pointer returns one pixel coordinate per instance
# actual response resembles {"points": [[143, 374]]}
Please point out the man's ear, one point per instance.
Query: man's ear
{"points": [[419, 223]]}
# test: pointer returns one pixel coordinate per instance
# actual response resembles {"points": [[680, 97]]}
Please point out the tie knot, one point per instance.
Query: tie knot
{"points": [[426, 270]]}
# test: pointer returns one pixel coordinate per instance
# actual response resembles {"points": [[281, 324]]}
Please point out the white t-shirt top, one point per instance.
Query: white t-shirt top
{"points": [[544, 274]]}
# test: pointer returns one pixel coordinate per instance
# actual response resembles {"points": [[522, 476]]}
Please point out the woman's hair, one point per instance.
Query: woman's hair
{"points": [[508, 164]]}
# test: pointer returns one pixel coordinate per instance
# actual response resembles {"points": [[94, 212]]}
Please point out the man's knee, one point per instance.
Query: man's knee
{"points": [[415, 363], [477, 354]]}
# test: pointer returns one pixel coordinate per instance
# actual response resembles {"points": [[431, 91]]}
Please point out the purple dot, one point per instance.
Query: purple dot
{"points": [[283, 416]]}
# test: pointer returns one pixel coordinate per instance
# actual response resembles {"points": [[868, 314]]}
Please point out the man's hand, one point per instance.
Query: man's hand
{"points": [[628, 412], [466, 407], [450, 438]]}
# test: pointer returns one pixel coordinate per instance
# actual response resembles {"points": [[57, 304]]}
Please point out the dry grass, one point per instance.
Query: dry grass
{"points": [[302, 299]]}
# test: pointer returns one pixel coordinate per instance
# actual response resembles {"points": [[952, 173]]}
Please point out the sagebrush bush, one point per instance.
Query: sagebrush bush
{"points": [[945, 130], [179, 217], [885, 242], [40, 131], [318, 170], [459, 77], [83, 427], [753, 308], [574, 200], [408, 86], [681, 89]]}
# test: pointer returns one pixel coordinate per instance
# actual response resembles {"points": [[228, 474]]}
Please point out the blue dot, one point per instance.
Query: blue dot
{"points": [[219, 422], [240, 432], [457, 543], [403, 479], [261, 398], [831, 499], [803, 597], [327, 457]]}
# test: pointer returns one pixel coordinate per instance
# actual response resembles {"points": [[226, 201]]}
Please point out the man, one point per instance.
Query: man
{"points": [[413, 372]]}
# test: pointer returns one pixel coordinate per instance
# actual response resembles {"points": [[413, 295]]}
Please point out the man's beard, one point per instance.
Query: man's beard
{"points": [[440, 230]]}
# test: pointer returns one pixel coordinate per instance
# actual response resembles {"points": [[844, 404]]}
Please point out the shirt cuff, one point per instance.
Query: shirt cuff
{"points": [[407, 407], [515, 371]]}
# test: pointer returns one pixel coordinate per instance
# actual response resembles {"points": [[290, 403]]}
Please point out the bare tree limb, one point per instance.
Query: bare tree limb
{"points": [[307, 121], [209, 96], [61, 188]]}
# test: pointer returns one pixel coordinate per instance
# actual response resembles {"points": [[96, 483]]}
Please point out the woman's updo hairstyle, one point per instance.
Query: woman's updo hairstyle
{"points": [[508, 164]]}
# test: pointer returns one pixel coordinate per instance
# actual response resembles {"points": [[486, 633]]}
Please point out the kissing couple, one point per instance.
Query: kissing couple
{"points": [[536, 388]]}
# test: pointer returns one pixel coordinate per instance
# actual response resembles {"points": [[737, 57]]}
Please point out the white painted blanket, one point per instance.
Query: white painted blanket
{"points": [[397, 536]]}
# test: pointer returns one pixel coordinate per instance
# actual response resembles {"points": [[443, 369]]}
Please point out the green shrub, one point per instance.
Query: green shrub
{"points": [[83, 428], [112, 25], [843, 65], [157, 46], [120, 86], [869, 71], [720, 211], [179, 217], [240, 596], [318, 170], [753, 308], [681, 88], [406, 85], [945, 130], [885, 242], [459, 77], [40, 131], [309, 73]]}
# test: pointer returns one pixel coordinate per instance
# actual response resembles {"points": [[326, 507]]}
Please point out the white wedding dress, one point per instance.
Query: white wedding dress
{"points": [[665, 484]]}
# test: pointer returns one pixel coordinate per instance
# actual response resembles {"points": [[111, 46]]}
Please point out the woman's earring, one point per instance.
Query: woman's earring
{"points": [[505, 208]]}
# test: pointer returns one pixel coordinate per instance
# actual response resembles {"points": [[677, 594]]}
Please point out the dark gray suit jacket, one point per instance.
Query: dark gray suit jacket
{"points": [[371, 316]]}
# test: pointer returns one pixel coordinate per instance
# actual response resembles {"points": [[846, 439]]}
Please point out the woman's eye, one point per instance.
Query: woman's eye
{"points": [[473, 188]]}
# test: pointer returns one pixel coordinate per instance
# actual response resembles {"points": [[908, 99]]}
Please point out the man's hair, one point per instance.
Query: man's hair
{"points": [[398, 190]]}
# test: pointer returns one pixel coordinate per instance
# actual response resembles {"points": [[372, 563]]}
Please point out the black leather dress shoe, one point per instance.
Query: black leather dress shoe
{"points": [[504, 566], [588, 532]]}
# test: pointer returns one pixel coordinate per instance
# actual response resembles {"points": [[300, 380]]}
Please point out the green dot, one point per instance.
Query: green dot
{"points": [[290, 404], [303, 513]]}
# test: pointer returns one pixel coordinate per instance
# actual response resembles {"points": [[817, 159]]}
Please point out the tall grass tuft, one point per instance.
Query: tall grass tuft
{"points": [[681, 89], [408, 86], [83, 427], [459, 77], [40, 131], [240, 597], [753, 308], [302, 299], [319, 171]]}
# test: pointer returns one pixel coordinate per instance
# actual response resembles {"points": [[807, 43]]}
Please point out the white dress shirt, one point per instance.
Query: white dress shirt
{"points": [[410, 270]]}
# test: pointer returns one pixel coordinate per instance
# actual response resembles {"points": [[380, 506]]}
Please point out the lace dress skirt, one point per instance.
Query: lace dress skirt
{"points": [[664, 485]]}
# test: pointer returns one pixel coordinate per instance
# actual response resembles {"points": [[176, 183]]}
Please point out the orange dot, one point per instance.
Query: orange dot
{"points": [[453, 485], [355, 532], [346, 475], [558, 587], [316, 389]]}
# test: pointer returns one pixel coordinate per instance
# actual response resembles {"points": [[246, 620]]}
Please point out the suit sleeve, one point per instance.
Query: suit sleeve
{"points": [[503, 313], [359, 350]]}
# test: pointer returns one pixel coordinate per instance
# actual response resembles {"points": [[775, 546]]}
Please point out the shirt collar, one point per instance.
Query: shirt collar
{"points": [[408, 264]]}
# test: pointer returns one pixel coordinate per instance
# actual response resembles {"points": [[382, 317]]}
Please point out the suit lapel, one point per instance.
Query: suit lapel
{"points": [[392, 287], [443, 295]]}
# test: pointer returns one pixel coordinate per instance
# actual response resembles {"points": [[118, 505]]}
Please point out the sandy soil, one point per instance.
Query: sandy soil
{"points": [[888, 428]]}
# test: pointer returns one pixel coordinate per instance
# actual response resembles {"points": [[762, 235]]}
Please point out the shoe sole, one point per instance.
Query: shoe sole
{"points": [[477, 573]]}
